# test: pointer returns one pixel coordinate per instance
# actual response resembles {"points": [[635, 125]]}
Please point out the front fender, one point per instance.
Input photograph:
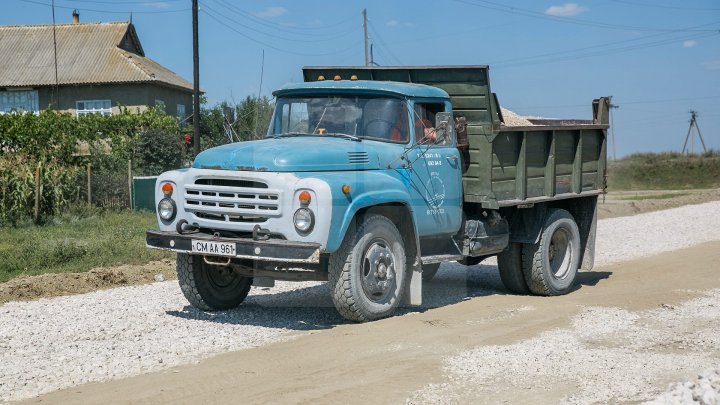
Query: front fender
{"points": [[373, 189]]}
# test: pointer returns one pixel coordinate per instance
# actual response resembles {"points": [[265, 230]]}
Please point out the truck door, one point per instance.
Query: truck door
{"points": [[435, 173]]}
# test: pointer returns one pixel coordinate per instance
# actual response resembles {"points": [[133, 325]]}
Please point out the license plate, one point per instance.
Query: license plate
{"points": [[213, 248]]}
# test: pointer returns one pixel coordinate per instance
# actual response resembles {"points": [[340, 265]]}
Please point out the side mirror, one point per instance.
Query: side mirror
{"points": [[443, 126]]}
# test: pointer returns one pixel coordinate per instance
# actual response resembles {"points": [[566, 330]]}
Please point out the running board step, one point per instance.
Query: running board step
{"points": [[440, 258]]}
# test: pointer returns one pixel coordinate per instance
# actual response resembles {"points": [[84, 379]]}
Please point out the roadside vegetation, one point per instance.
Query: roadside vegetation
{"points": [[665, 171], [78, 240], [47, 156]]}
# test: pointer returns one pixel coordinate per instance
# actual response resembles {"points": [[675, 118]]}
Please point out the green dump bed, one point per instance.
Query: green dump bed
{"points": [[545, 159]]}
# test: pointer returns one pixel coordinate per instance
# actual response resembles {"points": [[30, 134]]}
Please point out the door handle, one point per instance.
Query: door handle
{"points": [[452, 158]]}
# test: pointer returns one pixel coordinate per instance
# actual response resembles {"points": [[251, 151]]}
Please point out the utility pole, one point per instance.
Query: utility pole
{"points": [[693, 124], [612, 126], [56, 90], [196, 80], [367, 54]]}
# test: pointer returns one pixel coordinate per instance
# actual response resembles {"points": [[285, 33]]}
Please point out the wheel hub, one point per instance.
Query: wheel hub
{"points": [[378, 277], [560, 253]]}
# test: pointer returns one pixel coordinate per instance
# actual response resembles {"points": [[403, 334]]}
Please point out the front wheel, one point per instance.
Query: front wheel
{"points": [[367, 273], [210, 287], [550, 266]]}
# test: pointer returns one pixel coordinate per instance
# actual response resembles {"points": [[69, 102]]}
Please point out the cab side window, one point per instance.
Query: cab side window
{"points": [[424, 119]]}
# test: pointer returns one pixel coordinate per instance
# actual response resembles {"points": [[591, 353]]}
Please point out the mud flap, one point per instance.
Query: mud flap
{"points": [[413, 292], [589, 254]]}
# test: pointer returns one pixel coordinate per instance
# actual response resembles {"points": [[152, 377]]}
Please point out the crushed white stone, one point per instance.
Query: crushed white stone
{"points": [[512, 119], [703, 390], [61, 342], [607, 355]]}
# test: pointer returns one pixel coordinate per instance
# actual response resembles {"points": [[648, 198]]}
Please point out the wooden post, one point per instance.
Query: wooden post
{"points": [[130, 193], [38, 190], [89, 179]]}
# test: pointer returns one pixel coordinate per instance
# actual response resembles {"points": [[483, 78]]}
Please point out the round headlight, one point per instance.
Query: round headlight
{"points": [[304, 219], [166, 209]]}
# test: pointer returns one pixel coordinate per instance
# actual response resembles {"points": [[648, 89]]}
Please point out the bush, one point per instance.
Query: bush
{"points": [[158, 150], [49, 145]]}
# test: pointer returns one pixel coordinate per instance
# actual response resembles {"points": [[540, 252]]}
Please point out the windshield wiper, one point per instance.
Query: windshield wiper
{"points": [[346, 136], [289, 134]]}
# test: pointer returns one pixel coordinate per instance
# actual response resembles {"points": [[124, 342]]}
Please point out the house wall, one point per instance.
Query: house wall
{"points": [[133, 96]]}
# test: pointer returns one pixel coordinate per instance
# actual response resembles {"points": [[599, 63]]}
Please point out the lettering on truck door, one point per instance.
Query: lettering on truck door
{"points": [[435, 173]]}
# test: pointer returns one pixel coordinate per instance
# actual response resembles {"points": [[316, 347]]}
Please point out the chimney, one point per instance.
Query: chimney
{"points": [[76, 17]]}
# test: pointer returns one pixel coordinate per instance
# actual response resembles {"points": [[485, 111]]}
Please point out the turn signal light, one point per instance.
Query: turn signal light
{"points": [[167, 189], [337, 77], [353, 77], [304, 198], [346, 189], [321, 77]]}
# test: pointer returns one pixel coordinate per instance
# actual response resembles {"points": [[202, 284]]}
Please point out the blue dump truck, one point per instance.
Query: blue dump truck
{"points": [[371, 177]]}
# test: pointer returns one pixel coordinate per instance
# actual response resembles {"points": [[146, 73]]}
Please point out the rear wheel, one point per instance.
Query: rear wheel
{"points": [[210, 287], [511, 272], [429, 271], [551, 265], [367, 273]]}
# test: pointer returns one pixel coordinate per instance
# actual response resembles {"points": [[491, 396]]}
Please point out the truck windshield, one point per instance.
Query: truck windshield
{"points": [[354, 117]]}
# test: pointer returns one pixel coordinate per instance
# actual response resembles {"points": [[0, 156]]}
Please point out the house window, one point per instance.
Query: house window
{"points": [[181, 111], [102, 107], [160, 104], [20, 100]]}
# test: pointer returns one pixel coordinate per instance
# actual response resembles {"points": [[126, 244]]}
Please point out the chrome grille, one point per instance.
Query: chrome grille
{"points": [[232, 203]]}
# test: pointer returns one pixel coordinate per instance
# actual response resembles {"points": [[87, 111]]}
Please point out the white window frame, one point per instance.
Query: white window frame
{"points": [[177, 110], [102, 107], [160, 103]]}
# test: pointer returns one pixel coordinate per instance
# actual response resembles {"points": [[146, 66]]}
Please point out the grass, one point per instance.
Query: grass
{"points": [[662, 196], [78, 241], [665, 171]]}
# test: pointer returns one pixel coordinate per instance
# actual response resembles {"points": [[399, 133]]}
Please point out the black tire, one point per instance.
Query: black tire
{"points": [[367, 273], [510, 265], [551, 265], [210, 288], [429, 271]]}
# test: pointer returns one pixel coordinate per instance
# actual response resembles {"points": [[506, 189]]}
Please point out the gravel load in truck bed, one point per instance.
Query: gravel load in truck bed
{"points": [[55, 343], [511, 119]]}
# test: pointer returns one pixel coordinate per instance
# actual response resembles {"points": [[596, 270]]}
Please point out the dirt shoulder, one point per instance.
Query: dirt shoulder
{"points": [[57, 284], [614, 204], [389, 360], [626, 203]]}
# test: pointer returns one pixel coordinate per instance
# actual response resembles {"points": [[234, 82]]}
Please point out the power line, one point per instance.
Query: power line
{"points": [[605, 45], [216, 19], [567, 20], [254, 30], [589, 54], [280, 27], [384, 45], [684, 8], [106, 11], [124, 2]]}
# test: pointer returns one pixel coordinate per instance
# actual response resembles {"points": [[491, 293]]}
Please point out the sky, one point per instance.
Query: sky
{"points": [[659, 59]]}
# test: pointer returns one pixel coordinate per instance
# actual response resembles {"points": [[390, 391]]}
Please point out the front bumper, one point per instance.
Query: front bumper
{"points": [[275, 250]]}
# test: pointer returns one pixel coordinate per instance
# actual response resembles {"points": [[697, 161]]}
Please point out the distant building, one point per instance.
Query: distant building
{"points": [[100, 66]]}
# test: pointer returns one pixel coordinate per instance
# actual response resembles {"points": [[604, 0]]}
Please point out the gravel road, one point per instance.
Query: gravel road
{"points": [[616, 343], [55, 343]]}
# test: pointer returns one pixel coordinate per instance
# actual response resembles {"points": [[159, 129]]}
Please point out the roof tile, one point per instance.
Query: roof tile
{"points": [[87, 53]]}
